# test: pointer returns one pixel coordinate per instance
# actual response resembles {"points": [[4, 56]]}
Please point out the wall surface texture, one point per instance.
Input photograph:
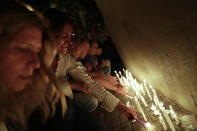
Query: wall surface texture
{"points": [[157, 41]]}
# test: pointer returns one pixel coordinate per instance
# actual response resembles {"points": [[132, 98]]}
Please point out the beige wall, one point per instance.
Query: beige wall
{"points": [[157, 41]]}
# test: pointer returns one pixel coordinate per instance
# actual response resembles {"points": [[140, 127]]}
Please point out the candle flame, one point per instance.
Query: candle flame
{"points": [[148, 125], [29, 8], [153, 107], [161, 104], [156, 112]]}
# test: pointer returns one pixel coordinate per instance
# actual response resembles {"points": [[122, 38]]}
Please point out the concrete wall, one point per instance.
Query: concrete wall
{"points": [[157, 41]]}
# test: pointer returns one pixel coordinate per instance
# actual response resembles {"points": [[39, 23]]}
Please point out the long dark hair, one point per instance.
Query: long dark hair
{"points": [[56, 20]]}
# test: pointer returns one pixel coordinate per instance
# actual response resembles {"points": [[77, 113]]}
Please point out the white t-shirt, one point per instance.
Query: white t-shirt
{"points": [[67, 64]]}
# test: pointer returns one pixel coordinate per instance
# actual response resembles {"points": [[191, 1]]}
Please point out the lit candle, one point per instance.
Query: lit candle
{"points": [[142, 89], [148, 125], [136, 85], [121, 81], [125, 81], [120, 74], [128, 103], [162, 122], [129, 97], [117, 75], [154, 91], [124, 71], [176, 119], [130, 76], [167, 118], [156, 101], [147, 90], [156, 112], [153, 107], [144, 102], [133, 87], [140, 108], [171, 112], [127, 73], [161, 104]]}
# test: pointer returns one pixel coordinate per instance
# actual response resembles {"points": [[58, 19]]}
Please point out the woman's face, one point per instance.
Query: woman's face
{"points": [[19, 58], [64, 39], [94, 45], [99, 51], [93, 51]]}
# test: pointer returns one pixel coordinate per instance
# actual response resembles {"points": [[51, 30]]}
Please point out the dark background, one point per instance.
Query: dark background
{"points": [[89, 23]]}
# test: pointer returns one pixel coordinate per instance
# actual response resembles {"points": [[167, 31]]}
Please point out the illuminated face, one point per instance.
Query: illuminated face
{"points": [[86, 47], [99, 51], [75, 50], [94, 45], [19, 58], [64, 39], [93, 51]]}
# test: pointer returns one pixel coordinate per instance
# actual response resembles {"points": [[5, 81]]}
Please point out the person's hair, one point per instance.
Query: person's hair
{"points": [[14, 17], [56, 20]]}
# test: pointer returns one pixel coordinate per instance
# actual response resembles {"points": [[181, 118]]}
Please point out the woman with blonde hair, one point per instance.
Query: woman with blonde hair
{"points": [[25, 64]]}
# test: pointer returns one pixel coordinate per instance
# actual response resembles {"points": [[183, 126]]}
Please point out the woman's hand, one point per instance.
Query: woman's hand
{"points": [[127, 111], [112, 79], [121, 90]]}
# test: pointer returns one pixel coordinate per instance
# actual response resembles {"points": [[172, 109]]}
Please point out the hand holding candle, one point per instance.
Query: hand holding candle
{"points": [[148, 125], [127, 111]]}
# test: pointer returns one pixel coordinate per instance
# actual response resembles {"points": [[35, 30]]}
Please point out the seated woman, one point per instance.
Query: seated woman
{"points": [[22, 74]]}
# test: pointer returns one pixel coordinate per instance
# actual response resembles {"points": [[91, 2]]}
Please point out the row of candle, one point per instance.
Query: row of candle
{"points": [[129, 81]]}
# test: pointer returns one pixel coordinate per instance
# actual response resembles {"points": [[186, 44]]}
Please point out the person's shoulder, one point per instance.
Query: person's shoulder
{"points": [[66, 56]]}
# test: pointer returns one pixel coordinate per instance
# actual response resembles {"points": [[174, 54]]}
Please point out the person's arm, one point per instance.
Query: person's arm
{"points": [[128, 112], [112, 85], [80, 86], [109, 101]]}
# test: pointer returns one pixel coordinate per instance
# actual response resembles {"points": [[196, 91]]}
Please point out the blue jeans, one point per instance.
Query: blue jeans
{"points": [[86, 102]]}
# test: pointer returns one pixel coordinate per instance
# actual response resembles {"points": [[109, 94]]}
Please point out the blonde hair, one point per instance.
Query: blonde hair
{"points": [[43, 89]]}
